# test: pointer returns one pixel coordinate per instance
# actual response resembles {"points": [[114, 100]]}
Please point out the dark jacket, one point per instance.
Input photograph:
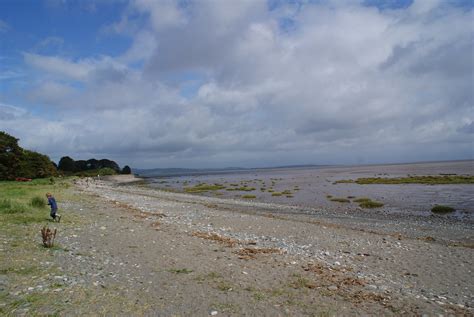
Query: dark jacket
{"points": [[52, 203]]}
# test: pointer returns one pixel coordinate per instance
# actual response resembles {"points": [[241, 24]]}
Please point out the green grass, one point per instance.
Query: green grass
{"points": [[9, 208], [37, 202], [427, 180], [201, 188], [258, 296], [224, 286], [242, 189], [440, 209]]}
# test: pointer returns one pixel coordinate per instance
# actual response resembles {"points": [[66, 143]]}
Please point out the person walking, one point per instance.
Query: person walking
{"points": [[54, 207]]}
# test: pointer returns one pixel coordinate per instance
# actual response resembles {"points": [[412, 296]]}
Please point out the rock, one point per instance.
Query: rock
{"points": [[332, 288], [213, 313], [371, 287], [337, 263]]}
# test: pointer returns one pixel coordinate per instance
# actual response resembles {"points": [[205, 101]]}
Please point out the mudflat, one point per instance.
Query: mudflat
{"points": [[321, 187], [134, 250]]}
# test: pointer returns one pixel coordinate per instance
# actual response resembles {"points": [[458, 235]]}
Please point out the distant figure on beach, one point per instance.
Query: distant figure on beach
{"points": [[54, 207]]}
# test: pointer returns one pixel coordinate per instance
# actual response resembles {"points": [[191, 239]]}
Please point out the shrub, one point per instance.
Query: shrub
{"points": [[37, 202], [440, 209]]}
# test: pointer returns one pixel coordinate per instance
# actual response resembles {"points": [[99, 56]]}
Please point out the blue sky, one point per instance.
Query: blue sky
{"points": [[239, 83]]}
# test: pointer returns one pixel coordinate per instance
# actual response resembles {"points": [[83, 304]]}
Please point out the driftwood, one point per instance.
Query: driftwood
{"points": [[48, 236]]}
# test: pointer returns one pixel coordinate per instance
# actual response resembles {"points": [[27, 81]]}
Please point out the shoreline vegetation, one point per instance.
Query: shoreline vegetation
{"points": [[131, 249]]}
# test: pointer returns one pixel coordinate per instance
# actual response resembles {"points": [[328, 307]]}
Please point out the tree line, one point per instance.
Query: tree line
{"points": [[16, 162]]}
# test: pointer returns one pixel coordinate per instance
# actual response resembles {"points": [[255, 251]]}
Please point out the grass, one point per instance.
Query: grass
{"points": [[202, 188], [226, 307], [369, 204], [242, 189], [224, 286], [301, 282], [180, 271], [37, 202], [249, 196], [441, 209], [258, 296], [427, 180]]}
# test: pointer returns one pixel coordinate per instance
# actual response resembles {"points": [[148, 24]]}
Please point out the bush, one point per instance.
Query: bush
{"points": [[440, 209], [37, 202]]}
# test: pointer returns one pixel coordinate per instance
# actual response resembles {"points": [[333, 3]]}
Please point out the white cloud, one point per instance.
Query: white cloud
{"points": [[344, 84], [55, 65]]}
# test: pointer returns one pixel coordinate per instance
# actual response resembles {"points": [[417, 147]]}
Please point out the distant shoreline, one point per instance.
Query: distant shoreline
{"points": [[173, 172]]}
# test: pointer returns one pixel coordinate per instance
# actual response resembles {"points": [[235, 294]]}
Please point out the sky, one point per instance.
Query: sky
{"points": [[247, 83]]}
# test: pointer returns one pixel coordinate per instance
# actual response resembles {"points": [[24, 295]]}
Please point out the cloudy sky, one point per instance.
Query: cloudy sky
{"points": [[216, 83]]}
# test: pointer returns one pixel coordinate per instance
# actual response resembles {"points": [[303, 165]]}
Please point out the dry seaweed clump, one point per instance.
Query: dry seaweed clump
{"points": [[251, 253], [215, 237], [440, 209]]}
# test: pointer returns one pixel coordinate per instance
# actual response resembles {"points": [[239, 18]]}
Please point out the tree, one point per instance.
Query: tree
{"points": [[80, 165], [126, 170], [66, 164], [10, 156], [36, 165], [110, 164]]}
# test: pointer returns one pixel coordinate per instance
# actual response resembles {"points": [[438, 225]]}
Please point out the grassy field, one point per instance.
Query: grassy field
{"points": [[23, 212], [427, 180]]}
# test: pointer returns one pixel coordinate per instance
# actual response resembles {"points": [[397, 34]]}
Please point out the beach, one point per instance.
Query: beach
{"points": [[181, 254], [125, 248]]}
